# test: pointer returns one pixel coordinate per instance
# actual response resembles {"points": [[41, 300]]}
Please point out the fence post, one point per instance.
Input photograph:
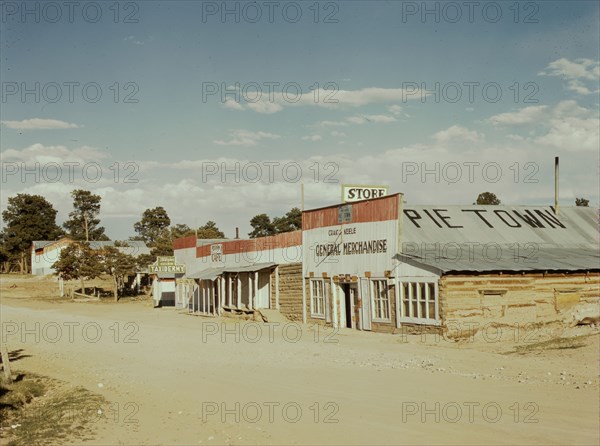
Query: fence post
{"points": [[6, 363]]}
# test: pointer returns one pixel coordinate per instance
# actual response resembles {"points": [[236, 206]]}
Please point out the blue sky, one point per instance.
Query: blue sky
{"points": [[151, 120]]}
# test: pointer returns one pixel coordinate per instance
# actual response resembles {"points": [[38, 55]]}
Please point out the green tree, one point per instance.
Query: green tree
{"points": [[163, 245], [292, 221], [181, 230], [83, 223], [152, 225], [143, 261], [4, 255], [582, 202], [79, 261], [27, 218], [261, 226], [487, 198], [210, 230], [119, 266]]}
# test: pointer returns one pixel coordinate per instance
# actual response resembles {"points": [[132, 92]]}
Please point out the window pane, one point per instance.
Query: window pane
{"points": [[432, 299], [380, 299], [386, 308], [405, 301], [317, 297], [423, 303]]}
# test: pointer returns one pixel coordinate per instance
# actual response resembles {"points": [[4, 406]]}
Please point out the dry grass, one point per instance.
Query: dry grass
{"points": [[38, 410]]}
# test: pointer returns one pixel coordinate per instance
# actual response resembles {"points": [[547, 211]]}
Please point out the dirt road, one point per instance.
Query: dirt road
{"points": [[178, 379]]}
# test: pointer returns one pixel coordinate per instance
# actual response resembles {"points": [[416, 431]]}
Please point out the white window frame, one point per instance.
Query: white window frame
{"points": [[373, 288], [415, 288], [315, 299]]}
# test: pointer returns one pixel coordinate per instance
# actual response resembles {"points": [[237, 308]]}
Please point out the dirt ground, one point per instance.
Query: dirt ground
{"points": [[171, 378]]}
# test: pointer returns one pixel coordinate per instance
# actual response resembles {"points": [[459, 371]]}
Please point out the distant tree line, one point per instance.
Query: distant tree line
{"points": [[31, 217]]}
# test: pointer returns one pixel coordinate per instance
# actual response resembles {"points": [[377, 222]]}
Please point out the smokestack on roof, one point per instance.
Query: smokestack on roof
{"points": [[556, 185]]}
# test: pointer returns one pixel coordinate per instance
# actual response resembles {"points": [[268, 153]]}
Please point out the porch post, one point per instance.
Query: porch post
{"points": [[277, 287], [239, 291], [255, 288]]}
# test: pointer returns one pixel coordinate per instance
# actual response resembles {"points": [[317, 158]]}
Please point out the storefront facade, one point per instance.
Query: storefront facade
{"points": [[349, 266], [241, 275], [381, 265]]}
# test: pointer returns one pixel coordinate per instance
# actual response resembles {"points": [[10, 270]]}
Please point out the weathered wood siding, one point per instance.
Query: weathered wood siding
{"points": [[290, 291], [515, 299]]}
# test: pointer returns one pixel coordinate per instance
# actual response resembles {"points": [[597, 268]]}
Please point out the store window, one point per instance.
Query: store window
{"points": [[317, 298], [380, 299], [419, 302]]}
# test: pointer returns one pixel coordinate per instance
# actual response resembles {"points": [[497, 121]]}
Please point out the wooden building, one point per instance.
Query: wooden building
{"points": [[378, 265], [240, 275], [44, 253]]}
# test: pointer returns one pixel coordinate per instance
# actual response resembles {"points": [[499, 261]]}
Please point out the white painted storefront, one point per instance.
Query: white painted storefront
{"points": [[234, 274], [350, 269]]}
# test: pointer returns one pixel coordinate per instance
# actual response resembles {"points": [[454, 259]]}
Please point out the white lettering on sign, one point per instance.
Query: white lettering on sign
{"points": [[352, 192], [350, 248], [216, 252], [165, 260], [176, 269]]}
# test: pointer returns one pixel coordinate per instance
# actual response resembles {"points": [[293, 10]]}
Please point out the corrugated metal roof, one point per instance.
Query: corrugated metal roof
{"points": [[573, 227], [213, 273], [249, 268], [500, 238], [546, 259], [206, 274], [134, 247]]}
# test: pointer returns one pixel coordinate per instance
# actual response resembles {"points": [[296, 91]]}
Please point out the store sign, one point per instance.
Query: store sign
{"points": [[356, 192], [351, 248], [166, 264], [216, 252], [345, 213]]}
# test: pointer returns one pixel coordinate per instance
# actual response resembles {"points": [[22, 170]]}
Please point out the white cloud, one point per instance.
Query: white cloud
{"points": [[332, 124], [526, 115], [575, 72], [456, 132], [233, 105], [133, 40], [573, 134], [312, 138], [39, 153], [246, 138], [395, 109], [264, 107], [375, 95], [39, 124], [565, 126], [338, 134], [333, 98], [579, 69], [579, 88]]}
